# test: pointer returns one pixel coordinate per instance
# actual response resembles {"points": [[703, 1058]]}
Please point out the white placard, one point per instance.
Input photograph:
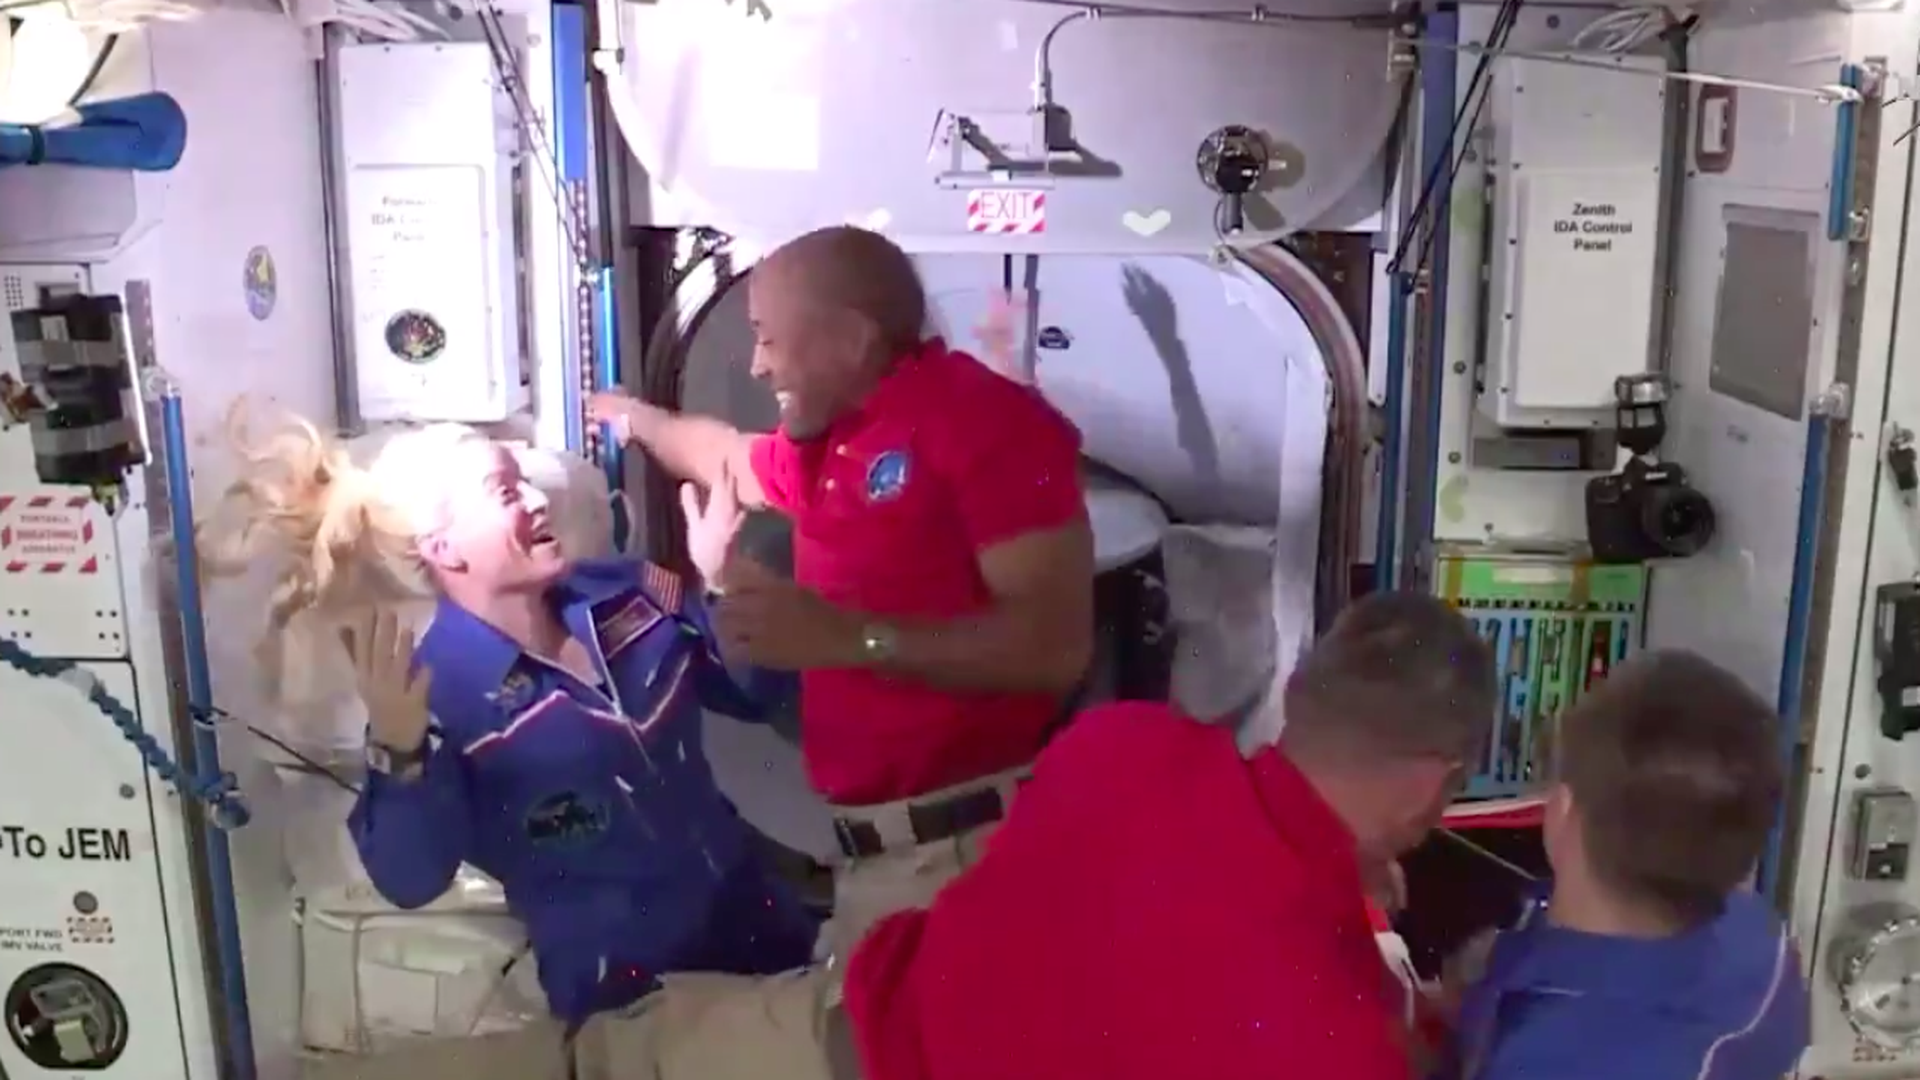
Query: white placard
{"points": [[1583, 297], [419, 247]]}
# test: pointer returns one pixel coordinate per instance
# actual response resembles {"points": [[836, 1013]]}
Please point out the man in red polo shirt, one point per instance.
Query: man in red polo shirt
{"points": [[1157, 905], [942, 605]]}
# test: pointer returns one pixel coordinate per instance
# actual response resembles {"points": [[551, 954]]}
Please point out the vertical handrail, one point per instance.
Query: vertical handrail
{"points": [[238, 1025], [570, 145], [1440, 96], [1793, 658], [1840, 189], [1386, 550]]}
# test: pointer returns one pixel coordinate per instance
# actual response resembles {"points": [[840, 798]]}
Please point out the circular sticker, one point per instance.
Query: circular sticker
{"points": [[261, 283], [416, 337]]}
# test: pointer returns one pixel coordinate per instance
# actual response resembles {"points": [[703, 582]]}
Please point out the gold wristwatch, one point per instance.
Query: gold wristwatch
{"points": [[879, 643]]}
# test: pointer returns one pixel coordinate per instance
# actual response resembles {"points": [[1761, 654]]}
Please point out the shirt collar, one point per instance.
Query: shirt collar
{"points": [[1543, 956], [899, 380], [1308, 825], [458, 640]]}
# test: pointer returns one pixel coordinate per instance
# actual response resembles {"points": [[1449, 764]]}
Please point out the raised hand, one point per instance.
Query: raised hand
{"points": [[1000, 334], [713, 523], [393, 688]]}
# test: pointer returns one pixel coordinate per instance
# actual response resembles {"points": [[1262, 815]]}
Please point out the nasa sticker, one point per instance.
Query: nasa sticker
{"points": [[261, 283], [887, 476], [515, 693], [415, 337], [565, 819]]}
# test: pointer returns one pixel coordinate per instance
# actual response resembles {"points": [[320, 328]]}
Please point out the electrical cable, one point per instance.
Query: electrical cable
{"points": [[217, 792], [100, 59], [1624, 31], [1475, 99]]}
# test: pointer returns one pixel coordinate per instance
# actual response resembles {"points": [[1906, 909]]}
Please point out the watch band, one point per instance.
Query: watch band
{"points": [[386, 759]]}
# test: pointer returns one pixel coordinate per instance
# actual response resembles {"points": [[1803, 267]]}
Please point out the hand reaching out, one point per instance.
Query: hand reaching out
{"points": [[618, 410]]}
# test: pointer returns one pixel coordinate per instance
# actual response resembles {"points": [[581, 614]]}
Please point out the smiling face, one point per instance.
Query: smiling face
{"points": [[495, 532], [811, 354]]}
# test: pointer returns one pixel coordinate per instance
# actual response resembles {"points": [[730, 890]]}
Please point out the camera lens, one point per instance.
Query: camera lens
{"points": [[1678, 519]]}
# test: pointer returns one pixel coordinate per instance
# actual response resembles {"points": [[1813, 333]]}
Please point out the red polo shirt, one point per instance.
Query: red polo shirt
{"points": [[1156, 906], [891, 508]]}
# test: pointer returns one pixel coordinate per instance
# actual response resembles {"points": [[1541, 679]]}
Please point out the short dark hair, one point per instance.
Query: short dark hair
{"points": [[1398, 673], [1674, 768]]}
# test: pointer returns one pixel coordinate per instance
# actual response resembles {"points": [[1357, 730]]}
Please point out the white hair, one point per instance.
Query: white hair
{"points": [[338, 520]]}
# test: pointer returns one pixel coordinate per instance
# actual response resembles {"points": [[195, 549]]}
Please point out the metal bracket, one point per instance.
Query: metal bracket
{"points": [[1833, 403]]}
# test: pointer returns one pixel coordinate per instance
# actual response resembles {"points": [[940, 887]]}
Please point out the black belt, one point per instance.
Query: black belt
{"points": [[931, 822]]}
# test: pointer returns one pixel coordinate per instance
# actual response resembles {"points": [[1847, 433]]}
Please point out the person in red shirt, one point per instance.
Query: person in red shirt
{"points": [[1157, 905], [942, 607]]}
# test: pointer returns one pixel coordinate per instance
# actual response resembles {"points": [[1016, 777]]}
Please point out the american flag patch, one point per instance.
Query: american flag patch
{"points": [[622, 626], [662, 585]]}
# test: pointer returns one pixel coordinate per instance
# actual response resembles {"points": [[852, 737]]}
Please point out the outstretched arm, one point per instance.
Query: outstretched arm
{"points": [[702, 449]]}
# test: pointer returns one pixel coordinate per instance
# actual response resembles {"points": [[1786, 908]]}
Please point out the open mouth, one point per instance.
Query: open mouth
{"points": [[784, 398], [542, 538]]}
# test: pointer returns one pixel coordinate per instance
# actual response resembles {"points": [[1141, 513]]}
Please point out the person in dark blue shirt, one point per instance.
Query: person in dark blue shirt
{"points": [[1650, 959], [547, 731]]}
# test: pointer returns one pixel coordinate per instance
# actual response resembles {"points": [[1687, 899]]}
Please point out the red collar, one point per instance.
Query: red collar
{"points": [[899, 382], [1309, 827]]}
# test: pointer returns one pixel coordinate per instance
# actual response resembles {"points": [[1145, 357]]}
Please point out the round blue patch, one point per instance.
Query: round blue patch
{"points": [[261, 283], [887, 476]]}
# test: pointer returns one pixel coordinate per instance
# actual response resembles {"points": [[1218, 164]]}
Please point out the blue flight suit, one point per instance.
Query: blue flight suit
{"points": [[1723, 1001], [594, 806]]}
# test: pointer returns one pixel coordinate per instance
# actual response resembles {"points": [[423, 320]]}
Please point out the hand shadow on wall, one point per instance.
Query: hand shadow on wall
{"points": [[1153, 305]]}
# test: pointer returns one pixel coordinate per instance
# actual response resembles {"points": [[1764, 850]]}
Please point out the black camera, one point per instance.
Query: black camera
{"points": [[1647, 510]]}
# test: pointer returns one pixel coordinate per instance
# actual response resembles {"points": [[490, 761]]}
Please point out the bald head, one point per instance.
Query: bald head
{"points": [[830, 311], [851, 270]]}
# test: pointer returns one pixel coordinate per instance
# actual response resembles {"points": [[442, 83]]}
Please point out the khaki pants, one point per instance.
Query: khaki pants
{"points": [[716, 1027], [538, 1052], [726, 1027], [906, 875]]}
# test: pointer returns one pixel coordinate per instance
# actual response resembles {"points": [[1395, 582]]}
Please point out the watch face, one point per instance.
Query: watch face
{"points": [[880, 641]]}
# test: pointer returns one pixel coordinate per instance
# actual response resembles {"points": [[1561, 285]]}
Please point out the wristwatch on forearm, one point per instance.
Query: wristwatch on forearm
{"points": [[386, 759], [879, 643]]}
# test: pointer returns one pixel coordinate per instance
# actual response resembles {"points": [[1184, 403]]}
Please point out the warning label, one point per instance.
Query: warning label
{"points": [[90, 929], [32, 939], [1015, 211], [47, 534]]}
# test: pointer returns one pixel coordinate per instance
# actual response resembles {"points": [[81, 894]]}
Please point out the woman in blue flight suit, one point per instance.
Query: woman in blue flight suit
{"points": [[571, 772]]}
